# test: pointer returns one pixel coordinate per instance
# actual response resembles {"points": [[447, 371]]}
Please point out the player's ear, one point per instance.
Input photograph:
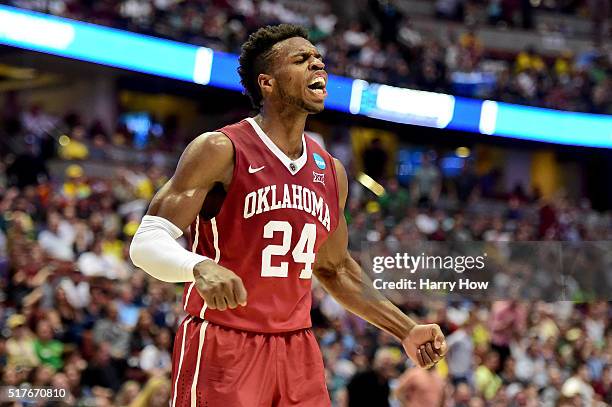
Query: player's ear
{"points": [[265, 82]]}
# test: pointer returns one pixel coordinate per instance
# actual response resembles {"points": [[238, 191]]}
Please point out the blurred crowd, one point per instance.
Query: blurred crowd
{"points": [[520, 13], [381, 44], [502, 354], [76, 314]]}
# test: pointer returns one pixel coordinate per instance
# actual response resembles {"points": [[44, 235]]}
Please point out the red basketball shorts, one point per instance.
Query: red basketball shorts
{"points": [[214, 366]]}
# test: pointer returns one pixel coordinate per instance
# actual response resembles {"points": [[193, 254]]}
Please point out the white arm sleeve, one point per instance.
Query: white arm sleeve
{"points": [[155, 250]]}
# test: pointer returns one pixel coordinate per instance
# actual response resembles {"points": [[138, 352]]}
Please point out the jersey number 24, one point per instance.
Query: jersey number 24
{"points": [[303, 252]]}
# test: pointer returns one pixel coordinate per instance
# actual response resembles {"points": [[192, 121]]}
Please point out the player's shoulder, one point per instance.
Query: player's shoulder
{"points": [[211, 148], [209, 153], [212, 142]]}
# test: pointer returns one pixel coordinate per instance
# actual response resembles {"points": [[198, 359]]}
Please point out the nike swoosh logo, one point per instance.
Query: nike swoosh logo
{"points": [[254, 170]]}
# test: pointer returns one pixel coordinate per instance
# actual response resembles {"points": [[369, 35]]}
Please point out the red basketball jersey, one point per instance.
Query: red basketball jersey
{"points": [[276, 214]]}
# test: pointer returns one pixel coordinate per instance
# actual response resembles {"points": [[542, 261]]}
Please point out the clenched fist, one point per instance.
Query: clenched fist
{"points": [[425, 345], [221, 288]]}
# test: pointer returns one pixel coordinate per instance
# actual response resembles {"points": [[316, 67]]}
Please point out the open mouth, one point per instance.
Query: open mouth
{"points": [[318, 86]]}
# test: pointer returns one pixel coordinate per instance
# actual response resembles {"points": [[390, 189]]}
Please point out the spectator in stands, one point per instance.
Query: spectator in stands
{"points": [[529, 60], [156, 393], [42, 376], [156, 359], [420, 388], [104, 370], [578, 386], [355, 36], [375, 160], [487, 382], [96, 263], [76, 186], [507, 321], [497, 232], [552, 390], [530, 363], [462, 395], [49, 351], [460, 355], [466, 183], [408, 36], [371, 387], [427, 182], [20, 350], [57, 239], [11, 377], [128, 311], [144, 332], [60, 381], [127, 394], [395, 201], [73, 147], [471, 51], [37, 122], [112, 333]]}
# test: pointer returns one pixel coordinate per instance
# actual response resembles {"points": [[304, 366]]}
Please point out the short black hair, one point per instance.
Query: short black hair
{"points": [[256, 52]]}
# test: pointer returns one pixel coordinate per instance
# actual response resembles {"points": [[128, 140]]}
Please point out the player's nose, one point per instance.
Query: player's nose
{"points": [[317, 65]]}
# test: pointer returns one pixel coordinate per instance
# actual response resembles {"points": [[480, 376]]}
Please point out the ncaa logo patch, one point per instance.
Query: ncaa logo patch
{"points": [[316, 177], [319, 161]]}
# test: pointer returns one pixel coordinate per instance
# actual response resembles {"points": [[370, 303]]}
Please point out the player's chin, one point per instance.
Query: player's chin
{"points": [[314, 103], [314, 107]]}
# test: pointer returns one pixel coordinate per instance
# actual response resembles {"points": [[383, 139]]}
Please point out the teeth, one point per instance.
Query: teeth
{"points": [[318, 80]]}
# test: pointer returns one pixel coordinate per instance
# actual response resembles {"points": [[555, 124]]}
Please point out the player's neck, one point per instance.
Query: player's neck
{"points": [[285, 129]]}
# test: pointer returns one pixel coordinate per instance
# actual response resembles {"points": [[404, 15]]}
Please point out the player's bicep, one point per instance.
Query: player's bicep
{"points": [[206, 160], [179, 206]]}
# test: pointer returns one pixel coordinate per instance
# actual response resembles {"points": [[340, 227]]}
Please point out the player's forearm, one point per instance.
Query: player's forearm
{"points": [[354, 291]]}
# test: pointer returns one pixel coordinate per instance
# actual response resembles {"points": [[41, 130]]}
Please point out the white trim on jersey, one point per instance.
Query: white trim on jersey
{"points": [[194, 394], [287, 162], [188, 294], [194, 247], [215, 233], [180, 365]]}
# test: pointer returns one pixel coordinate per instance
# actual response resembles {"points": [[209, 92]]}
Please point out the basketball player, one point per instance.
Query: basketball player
{"points": [[264, 204]]}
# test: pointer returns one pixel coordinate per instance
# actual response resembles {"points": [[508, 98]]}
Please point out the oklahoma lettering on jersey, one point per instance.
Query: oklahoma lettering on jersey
{"points": [[275, 216], [293, 197]]}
